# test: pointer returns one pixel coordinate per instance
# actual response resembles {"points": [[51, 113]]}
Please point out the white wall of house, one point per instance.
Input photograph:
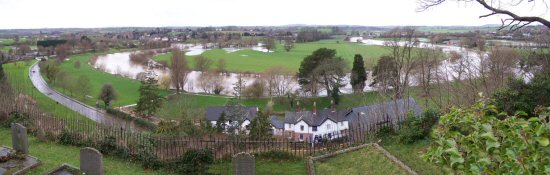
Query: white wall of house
{"points": [[243, 124], [276, 131], [328, 126]]}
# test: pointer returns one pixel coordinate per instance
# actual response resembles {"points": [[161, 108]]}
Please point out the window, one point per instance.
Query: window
{"points": [[315, 128], [342, 124], [301, 137], [301, 127], [328, 126]]}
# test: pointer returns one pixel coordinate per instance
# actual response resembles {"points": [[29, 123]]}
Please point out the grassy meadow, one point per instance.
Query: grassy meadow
{"points": [[248, 60], [364, 161], [53, 155], [18, 76]]}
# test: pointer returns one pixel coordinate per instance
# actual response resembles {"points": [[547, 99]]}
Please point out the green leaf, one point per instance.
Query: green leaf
{"points": [[456, 159], [543, 141]]}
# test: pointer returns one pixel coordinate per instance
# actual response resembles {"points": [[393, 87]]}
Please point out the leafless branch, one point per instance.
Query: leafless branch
{"points": [[515, 21]]}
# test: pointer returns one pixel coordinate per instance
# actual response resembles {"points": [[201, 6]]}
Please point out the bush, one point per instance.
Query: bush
{"points": [[277, 155], [146, 157], [477, 140], [194, 162], [384, 132], [15, 117], [417, 128], [68, 138]]}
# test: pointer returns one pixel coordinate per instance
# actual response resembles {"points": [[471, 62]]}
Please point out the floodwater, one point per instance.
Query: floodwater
{"points": [[119, 63]]}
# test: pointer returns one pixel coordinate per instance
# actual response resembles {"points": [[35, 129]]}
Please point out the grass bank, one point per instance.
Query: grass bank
{"points": [[53, 155], [364, 161], [18, 76]]}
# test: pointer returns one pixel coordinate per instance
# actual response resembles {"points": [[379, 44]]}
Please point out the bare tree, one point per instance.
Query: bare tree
{"points": [[179, 70], [202, 63], [427, 63], [278, 80], [513, 21], [402, 45]]}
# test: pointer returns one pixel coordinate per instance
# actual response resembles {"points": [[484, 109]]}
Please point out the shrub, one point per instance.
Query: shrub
{"points": [[417, 128], [277, 155], [384, 132], [482, 140], [146, 157], [194, 162], [68, 138]]}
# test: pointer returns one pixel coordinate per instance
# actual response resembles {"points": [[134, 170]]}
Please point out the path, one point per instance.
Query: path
{"points": [[90, 112]]}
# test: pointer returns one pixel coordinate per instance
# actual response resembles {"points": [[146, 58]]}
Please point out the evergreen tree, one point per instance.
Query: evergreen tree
{"points": [[260, 127], [358, 74], [150, 99], [336, 95]]}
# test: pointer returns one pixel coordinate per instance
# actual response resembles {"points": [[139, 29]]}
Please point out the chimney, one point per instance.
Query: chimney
{"points": [[314, 108], [332, 105]]}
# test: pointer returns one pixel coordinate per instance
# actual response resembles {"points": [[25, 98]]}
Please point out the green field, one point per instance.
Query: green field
{"points": [[264, 167], [4, 41], [5, 49], [364, 161], [410, 154], [53, 155], [126, 88], [18, 76], [248, 60]]}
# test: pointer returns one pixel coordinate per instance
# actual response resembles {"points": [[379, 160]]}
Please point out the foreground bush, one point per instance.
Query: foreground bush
{"points": [[482, 140], [417, 128], [194, 162]]}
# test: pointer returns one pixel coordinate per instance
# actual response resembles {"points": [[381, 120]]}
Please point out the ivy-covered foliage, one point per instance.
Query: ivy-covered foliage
{"points": [[417, 128], [194, 162], [482, 140]]}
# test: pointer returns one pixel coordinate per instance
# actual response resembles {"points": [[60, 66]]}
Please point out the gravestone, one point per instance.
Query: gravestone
{"points": [[19, 138], [91, 161], [41, 135], [243, 164]]}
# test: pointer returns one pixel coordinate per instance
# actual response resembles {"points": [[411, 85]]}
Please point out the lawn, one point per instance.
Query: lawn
{"points": [[53, 155], [248, 60], [127, 89], [410, 154], [18, 76], [264, 167], [4, 41], [364, 161]]}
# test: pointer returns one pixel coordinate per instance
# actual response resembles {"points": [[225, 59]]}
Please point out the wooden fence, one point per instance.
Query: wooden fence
{"points": [[167, 148]]}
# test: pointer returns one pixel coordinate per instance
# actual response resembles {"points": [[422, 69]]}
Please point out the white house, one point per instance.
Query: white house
{"points": [[244, 114], [313, 125]]}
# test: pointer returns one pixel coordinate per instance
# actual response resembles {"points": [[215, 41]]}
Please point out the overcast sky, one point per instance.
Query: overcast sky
{"points": [[161, 13]]}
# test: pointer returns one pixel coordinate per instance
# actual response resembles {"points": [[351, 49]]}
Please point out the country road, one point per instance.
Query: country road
{"points": [[90, 112]]}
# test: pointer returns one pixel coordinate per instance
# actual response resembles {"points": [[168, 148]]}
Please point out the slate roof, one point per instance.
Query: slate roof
{"points": [[316, 119], [214, 112], [383, 112], [275, 122]]}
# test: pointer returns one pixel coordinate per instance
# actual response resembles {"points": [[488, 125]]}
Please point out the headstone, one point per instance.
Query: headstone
{"points": [[41, 135], [91, 161], [19, 138], [243, 164]]}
